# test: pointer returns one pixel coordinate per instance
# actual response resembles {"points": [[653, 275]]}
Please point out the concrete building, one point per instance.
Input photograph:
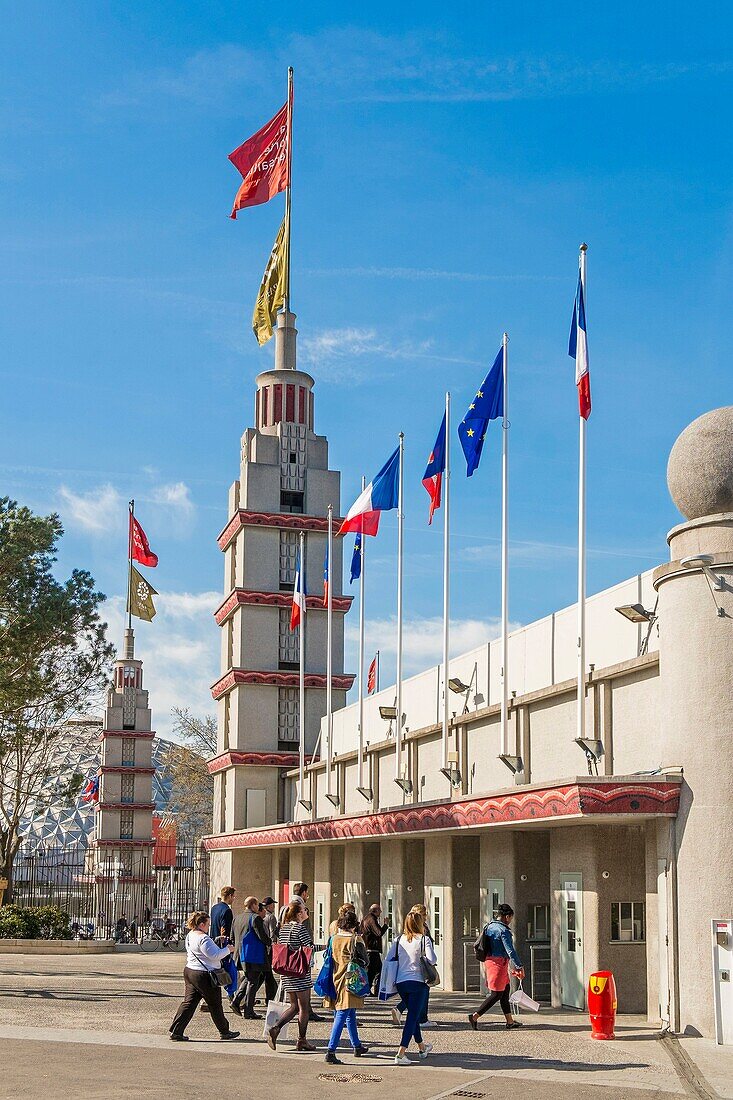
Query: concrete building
{"points": [[614, 854]]}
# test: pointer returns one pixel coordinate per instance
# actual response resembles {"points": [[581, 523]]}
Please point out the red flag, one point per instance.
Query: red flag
{"points": [[372, 677], [264, 163], [139, 545]]}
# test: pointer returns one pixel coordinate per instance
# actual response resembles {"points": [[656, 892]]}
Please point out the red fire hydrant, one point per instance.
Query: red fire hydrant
{"points": [[602, 1004]]}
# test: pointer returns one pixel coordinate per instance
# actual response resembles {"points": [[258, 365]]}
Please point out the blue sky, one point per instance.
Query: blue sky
{"points": [[446, 168]]}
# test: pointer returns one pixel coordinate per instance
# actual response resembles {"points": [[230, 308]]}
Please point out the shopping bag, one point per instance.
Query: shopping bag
{"points": [[519, 999], [390, 966], [357, 979], [324, 986], [273, 1012], [230, 966]]}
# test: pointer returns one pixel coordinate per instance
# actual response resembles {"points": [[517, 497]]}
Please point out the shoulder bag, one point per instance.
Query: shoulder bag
{"points": [[429, 970], [291, 962], [218, 977], [357, 979]]}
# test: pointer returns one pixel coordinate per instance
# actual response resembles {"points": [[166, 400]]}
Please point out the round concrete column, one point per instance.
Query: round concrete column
{"points": [[696, 696]]}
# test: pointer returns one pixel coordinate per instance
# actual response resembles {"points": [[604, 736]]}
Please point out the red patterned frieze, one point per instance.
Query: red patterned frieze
{"points": [[244, 597], [288, 521], [255, 760], [276, 679]]}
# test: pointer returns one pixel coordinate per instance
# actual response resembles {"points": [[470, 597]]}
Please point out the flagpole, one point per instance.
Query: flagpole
{"points": [[333, 798], [365, 791], [446, 586], [505, 556], [400, 523], [581, 542], [288, 189], [305, 802], [131, 508]]}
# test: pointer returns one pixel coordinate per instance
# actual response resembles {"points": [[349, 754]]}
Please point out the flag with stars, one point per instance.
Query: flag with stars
{"points": [[326, 578], [488, 404], [356, 559]]}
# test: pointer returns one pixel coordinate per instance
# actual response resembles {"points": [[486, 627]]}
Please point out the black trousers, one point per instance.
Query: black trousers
{"points": [[199, 986], [500, 995], [249, 984], [375, 969]]}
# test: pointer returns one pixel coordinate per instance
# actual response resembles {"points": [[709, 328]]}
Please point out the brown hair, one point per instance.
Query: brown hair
{"points": [[347, 907], [299, 888], [414, 924], [196, 918], [292, 911], [348, 921], [250, 902], [421, 909], [227, 892]]}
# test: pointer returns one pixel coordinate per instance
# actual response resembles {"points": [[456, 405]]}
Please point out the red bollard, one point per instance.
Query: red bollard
{"points": [[602, 1004]]}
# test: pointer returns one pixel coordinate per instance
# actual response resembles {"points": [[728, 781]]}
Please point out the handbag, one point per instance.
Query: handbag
{"points": [[388, 978], [291, 962], [357, 978], [429, 970], [324, 986]]}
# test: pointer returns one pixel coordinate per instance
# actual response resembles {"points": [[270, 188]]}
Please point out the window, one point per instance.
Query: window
{"points": [[291, 501], [288, 557], [288, 642], [287, 717], [128, 752], [471, 919], [254, 808], [320, 919], [538, 922], [127, 824], [127, 788], [627, 922]]}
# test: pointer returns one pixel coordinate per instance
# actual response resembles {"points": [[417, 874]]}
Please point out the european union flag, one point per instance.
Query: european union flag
{"points": [[356, 559], [488, 404]]}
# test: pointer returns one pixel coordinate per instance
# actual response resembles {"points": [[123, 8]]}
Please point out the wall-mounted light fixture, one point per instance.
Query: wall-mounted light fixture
{"points": [[715, 583], [452, 772], [593, 749]]}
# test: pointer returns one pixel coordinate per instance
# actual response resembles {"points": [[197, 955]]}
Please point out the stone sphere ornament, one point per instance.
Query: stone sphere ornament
{"points": [[700, 467]]}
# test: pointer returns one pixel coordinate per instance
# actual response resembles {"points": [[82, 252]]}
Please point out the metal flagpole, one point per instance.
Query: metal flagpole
{"points": [[581, 544], [305, 802], [446, 585], [362, 788], [400, 518], [131, 507], [505, 558], [288, 189], [333, 798]]}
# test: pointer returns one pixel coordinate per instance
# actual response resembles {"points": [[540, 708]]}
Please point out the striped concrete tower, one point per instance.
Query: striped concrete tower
{"points": [[284, 488]]}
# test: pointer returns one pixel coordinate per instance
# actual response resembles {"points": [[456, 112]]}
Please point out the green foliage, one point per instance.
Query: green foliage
{"points": [[45, 922]]}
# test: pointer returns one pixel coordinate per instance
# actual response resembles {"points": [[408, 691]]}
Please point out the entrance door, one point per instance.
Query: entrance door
{"points": [[663, 937], [572, 976], [389, 914], [436, 914]]}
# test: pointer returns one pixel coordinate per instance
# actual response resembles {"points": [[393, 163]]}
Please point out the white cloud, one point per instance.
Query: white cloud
{"points": [[179, 651], [353, 355], [96, 512]]}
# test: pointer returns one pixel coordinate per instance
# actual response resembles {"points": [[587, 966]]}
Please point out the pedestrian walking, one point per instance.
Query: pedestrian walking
{"points": [[373, 931], [255, 948], [222, 916], [497, 946], [399, 1009], [270, 918], [412, 946], [294, 933], [203, 958], [347, 946], [347, 907]]}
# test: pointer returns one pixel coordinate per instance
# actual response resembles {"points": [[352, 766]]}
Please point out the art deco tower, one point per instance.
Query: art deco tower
{"points": [[284, 488]]}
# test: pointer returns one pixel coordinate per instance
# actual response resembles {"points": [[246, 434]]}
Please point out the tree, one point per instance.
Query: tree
{"points": [[192, 791], [54, 655]]}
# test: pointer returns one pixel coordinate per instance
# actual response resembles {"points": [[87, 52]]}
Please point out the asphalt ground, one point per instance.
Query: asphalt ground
{"points": [[96, 1026]]}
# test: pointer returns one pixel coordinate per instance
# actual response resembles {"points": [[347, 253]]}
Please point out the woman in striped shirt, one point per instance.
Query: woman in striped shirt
{"points": [[293, 932]]}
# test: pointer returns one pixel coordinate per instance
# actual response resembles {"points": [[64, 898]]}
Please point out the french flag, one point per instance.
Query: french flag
{"points": [[433, 477], [380, 495], [297, 611], [91, 790], [578, 350]]}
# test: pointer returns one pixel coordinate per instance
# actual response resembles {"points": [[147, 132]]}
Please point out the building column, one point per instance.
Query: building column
{"points": [[439, 873], [354, 876], [322, 907]]}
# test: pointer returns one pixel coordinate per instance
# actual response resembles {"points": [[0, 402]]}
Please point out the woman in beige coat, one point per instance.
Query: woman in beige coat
{"points": [[346, 945]]}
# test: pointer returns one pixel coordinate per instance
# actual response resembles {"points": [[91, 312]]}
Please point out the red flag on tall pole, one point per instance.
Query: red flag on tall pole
{"points": [[139, 545], [373, 676], [264, 162]]}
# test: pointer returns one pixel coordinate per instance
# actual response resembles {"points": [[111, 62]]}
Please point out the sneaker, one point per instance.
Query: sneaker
{"points": [[361, 1050], [513, 1024], [428, 1023], [426, 1050], [332, 1059], [230, 1035], [402, 1060], [396, 1017]]}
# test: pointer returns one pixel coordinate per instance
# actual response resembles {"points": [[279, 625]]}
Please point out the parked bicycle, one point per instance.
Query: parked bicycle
{"points": [[162, 934]]}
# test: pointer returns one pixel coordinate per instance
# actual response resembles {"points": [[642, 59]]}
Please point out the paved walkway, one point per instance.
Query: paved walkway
{"points": [[97, 1027]]}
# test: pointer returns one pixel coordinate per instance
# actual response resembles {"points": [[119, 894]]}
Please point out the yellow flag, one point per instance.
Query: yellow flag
{"points": [[141, 596], [271, 295]]}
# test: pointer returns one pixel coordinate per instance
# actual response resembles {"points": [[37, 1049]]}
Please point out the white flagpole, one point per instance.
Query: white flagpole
{"points": [[333, 798], [446, 585], [581, 545], [305, 802], [505, 557], [400, 517], [363, 789]]}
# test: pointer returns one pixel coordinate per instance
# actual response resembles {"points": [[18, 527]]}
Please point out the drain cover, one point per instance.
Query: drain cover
{"points": [[356, 1078], [465, 1092]]}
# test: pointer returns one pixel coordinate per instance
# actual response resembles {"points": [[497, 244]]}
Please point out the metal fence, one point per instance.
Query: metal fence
{"points": [[98, 888]]}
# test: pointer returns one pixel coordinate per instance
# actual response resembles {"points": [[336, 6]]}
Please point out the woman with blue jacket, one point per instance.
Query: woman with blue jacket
{"points": [[498, 945]]}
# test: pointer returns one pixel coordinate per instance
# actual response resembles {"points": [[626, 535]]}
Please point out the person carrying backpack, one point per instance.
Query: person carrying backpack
{"points": [[255, 948], [495, 949]]}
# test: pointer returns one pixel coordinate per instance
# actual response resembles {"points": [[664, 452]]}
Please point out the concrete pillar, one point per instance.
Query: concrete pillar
{"points": [[354, 875], [696, 716], [439, 873], [393, 876], [322, 892]]}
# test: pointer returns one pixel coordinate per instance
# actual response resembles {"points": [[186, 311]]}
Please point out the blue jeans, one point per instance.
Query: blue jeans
{"points": [[415, 997], [345, 1017], [424, 1016]]}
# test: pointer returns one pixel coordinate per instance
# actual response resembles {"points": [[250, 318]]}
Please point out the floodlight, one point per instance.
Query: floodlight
{"points": [[452, 772], [514, 763], [636, 613], [593, 749], [389, 714], [458, 686]]}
